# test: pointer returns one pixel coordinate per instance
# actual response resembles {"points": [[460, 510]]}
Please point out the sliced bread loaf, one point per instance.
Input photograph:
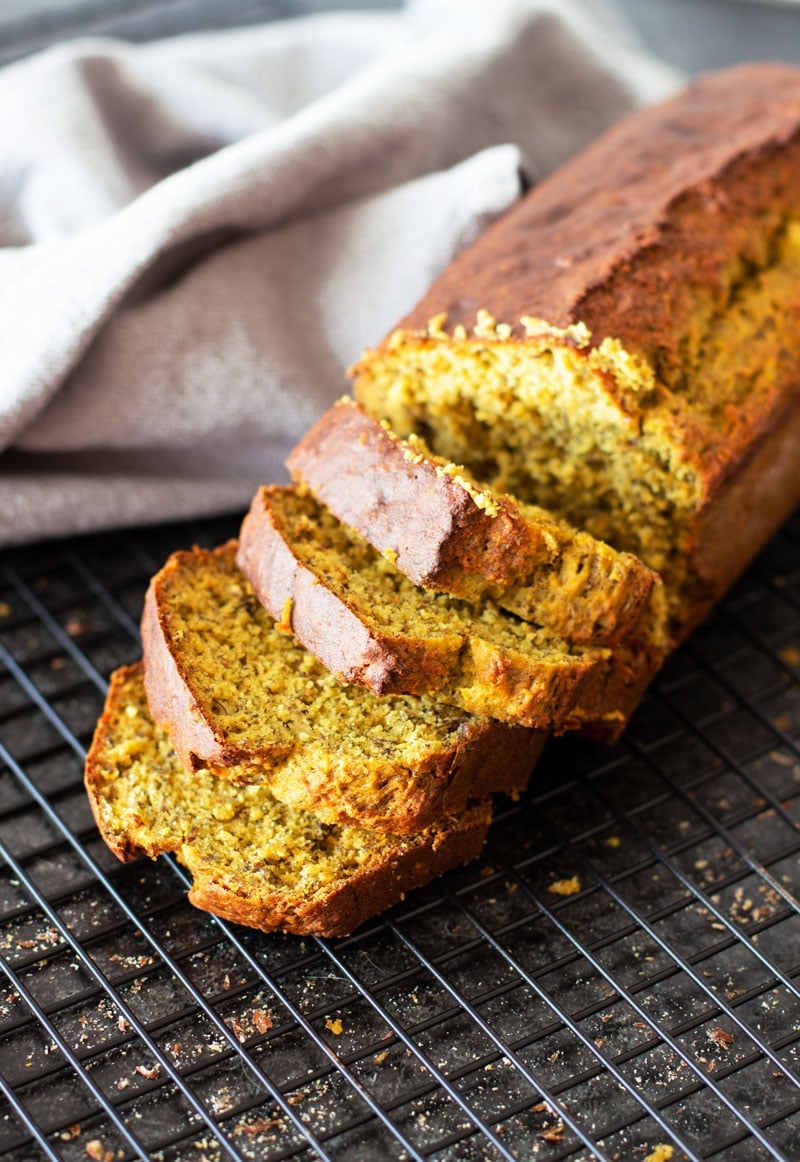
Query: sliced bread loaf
{"points": [[450, 534], [367, 622], [232, 690], [253, 859], [622, 347]]}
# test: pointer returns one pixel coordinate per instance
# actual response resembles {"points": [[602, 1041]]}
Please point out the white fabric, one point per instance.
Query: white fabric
{"points": [[197, 236]]}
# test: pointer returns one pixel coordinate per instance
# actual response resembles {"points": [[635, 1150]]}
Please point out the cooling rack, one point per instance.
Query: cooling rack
{"points": [[617, 977]]}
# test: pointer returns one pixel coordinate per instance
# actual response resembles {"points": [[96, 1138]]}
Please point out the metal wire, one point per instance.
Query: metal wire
{"points": [[489, 951]]}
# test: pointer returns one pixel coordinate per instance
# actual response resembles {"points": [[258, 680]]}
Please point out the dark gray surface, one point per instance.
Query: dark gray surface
{"points": [[708, 34], [693, 34], [659, 1003], [24, 27]]}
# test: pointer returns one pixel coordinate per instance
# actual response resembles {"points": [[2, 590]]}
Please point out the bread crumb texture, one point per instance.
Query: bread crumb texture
{"points": [[475, 656], [337, 750], [241, 845], [265, 692], [451, 534]]}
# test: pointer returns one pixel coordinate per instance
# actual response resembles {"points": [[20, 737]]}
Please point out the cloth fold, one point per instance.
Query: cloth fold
{"points": [[197, 236]]}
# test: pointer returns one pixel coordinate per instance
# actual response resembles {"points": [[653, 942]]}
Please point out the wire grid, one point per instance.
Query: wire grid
{"points": [[657, 1004]]}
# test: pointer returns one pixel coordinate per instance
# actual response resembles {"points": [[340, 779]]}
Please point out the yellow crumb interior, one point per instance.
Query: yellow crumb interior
{"points": [[230, 828], [265, 692], [386, 600], [537, 418], [529, 561]]}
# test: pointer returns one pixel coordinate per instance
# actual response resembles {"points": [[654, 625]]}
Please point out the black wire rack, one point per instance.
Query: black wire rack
{"points": [[617, 977]]}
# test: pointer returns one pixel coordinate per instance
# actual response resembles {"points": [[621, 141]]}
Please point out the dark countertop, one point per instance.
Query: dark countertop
{"points": [[693, 34]]}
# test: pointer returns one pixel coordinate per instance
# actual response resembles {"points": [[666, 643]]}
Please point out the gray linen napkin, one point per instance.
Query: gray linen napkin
{"points": [[197, 236]]}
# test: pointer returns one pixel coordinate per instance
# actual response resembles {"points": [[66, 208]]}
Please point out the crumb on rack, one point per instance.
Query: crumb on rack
{"points": [[569, 887]]}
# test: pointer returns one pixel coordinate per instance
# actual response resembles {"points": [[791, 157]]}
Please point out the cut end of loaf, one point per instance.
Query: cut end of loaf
{"points": [[539, 412], [590, 430]]}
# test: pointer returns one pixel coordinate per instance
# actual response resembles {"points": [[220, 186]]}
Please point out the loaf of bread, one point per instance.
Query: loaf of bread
{"points": [[622, 348], [367, 622], [233, 691], [620, 352], [448, 534], [253, 859]]}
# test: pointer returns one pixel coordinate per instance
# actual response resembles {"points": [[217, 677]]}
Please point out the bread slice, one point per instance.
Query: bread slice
{"points": [[622, 347], [450, 534], [232, 691], [253, 860], [367, 622]]}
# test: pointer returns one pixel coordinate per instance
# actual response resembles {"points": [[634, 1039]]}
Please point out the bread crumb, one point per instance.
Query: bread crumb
{"points": [[553, 1133], [336, 1027], [565, 887], [284, 622], [259, 1126], [484, 325], [236, 1029], [436, 326], [262, 1020], [660, 1153]]}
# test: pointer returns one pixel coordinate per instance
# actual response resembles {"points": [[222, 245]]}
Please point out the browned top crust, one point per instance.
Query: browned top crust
{"points": [[719, 143]]}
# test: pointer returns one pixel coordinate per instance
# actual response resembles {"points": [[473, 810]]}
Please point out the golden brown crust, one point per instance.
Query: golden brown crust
{"points": [[488, 758], [448, 536], [466, 668], [121, 845], [748, 510], [607, 705], [372, 482], [365, 895], [333, 912], [169, 686]]}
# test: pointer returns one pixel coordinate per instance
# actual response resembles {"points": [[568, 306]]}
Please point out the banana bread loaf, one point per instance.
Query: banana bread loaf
{"points": [[448, 533], [367, 622], [253, 859], [231, 691], [622, 348]]}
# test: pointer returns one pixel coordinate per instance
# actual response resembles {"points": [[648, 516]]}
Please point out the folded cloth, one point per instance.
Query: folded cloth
{"points": [[198, 235]]}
